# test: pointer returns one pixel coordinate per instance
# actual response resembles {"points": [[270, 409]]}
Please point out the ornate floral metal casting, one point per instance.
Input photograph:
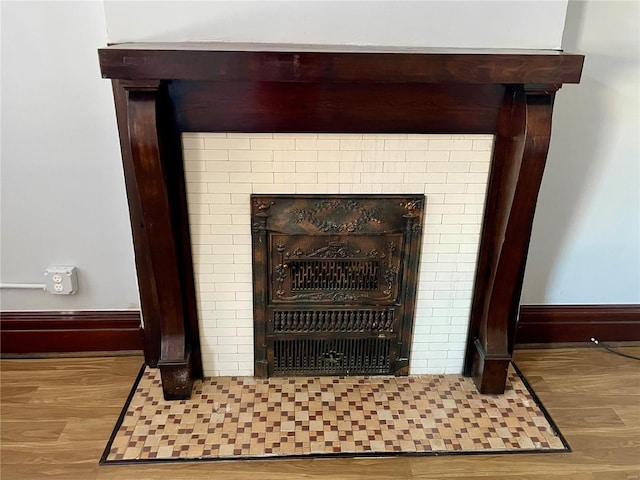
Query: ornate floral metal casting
{"points": [[335, 280], [390, 274], [413, 207], [337, 207], [335, 249]]}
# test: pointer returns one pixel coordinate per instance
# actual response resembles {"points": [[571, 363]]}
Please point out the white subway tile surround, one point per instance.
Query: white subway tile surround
{"points": [[223, 169]]}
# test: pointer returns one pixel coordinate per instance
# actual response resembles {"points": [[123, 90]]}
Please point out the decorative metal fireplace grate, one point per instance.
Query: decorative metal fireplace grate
{"points": [[335, 281]]}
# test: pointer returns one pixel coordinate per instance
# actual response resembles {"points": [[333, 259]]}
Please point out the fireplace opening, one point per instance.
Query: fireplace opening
{"points": [[335, 280]]}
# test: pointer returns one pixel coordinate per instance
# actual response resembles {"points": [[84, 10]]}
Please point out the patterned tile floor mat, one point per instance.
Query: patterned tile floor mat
{"points": [[244, 417]]}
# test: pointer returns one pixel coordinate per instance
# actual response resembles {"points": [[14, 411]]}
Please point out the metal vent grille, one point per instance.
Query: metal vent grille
{"points": [[344, 356], [310, 321], [334, 275], [334, 283]]}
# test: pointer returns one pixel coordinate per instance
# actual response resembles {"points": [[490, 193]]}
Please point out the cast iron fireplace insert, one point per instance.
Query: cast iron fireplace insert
{"points": [[334, 282], [164, 89]]}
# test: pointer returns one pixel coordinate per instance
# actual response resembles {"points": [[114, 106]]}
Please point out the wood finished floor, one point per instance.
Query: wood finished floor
{"points": [[57, 415]]}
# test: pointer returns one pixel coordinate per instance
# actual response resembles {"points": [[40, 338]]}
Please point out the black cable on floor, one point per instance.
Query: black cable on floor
{"points": [[609, 349]]}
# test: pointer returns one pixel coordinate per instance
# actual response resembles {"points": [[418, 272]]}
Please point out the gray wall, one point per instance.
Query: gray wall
{"points": [[585, 246], [443, 23], [62, 192]]}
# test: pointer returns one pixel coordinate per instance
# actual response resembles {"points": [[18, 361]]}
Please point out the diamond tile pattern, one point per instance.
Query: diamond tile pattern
{"points": [[240, 417]]}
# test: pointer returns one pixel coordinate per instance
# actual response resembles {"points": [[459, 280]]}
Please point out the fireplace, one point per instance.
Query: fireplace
{"points": [[334, 284], [164, 90], [451, 171]]}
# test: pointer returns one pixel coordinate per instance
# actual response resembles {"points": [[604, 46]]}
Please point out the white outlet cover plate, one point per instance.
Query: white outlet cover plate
{"points": [[61, 280]]}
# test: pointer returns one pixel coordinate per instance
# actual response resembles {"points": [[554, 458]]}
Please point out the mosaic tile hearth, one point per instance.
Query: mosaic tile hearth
{"points": [[241, 417]]}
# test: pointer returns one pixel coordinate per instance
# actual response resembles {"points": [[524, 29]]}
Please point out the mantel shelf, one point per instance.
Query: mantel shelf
{"points": [[307, 63]]}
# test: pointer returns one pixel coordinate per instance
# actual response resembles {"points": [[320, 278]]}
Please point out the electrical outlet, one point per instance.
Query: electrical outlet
{"points": [[61, 280]]}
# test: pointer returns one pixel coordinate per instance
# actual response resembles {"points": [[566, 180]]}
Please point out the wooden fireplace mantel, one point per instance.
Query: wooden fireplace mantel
{"points": [[162, 90]]}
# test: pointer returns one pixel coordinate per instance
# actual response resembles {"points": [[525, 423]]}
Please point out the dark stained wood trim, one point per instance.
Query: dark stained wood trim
{"points": [[73, 331], [146, 284], [348, 108], [170, 142], [165, 89], [210, 62], [578, 323], [522, 142], [150, 158]]}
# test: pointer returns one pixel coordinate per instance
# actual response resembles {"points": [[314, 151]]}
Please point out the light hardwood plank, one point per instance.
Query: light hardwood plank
{"points": [[593, 396], [40, 431], [586, 417]]}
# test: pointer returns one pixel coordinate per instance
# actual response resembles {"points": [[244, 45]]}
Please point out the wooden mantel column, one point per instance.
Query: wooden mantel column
{"points": [[163, 90], [520, 153], [153, 171]]}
